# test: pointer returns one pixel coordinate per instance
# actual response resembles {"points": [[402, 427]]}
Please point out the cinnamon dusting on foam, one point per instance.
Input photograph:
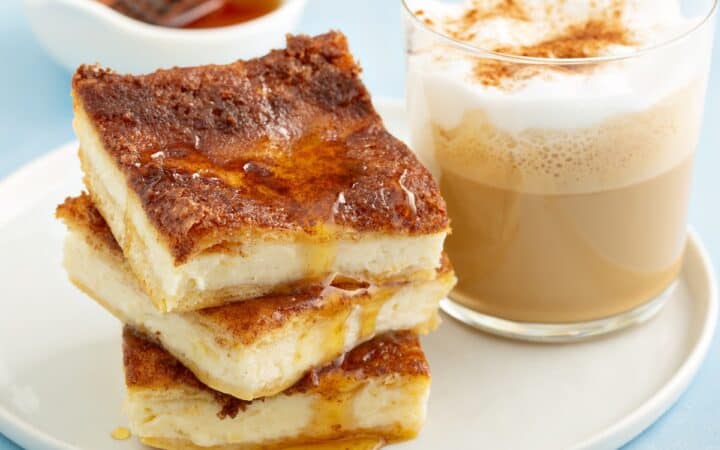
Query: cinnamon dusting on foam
{"points": [[584, 40], [422, 15], [509, 9], [504, 8], [587, 38]]}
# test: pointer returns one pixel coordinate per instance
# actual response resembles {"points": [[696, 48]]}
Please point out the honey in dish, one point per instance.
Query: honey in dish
{"points": [[233, 12], [193, 13]]}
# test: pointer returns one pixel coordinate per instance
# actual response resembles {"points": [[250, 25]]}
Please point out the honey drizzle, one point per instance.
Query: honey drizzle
{"points": [[370, 311], [356, 443], [334, 343], [120, 434], [320, 256], [331, 414], [369, 304]]}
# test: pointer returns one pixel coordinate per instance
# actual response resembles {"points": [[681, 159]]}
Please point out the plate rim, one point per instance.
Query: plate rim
{"points": [[21, 432], [645, 415]]}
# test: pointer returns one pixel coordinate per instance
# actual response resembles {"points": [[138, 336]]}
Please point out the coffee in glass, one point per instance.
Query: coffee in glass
{"points": [[562, 135]]}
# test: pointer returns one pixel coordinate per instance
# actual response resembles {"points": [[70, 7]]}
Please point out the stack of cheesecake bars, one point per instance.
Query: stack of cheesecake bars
{"points": [[271, 249]]}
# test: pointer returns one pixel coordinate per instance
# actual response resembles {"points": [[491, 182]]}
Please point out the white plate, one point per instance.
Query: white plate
{"points": [[61, 377]]}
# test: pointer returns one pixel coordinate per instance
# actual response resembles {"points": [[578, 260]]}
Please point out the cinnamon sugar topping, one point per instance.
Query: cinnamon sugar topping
{"points": [[584, 36], [585, 40], [510, 9], [217, 153], [420, 14]]}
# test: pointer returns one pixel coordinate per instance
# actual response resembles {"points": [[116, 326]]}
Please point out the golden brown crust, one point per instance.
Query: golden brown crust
{"points": [[393, 353], [149, 366], [244, 321], [287, 142], [79, 212]]}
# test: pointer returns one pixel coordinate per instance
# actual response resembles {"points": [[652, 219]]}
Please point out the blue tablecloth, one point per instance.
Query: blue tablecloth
{"points": [[35, 117]]}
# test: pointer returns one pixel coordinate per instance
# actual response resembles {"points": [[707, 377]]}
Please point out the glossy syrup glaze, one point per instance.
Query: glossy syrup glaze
{"points": [[289, 142], [244, 322], [149, 366]]}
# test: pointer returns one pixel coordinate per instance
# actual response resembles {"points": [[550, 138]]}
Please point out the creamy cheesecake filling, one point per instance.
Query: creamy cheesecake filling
{"points": [[273, 361], [181, 415], [391, 407], [263, 265]]}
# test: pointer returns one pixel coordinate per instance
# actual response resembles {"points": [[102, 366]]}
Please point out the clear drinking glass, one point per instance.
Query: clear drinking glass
{"points": [[566, 179]]}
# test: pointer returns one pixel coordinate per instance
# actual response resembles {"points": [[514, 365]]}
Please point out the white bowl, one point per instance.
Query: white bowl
{"points": [[75, 32]]}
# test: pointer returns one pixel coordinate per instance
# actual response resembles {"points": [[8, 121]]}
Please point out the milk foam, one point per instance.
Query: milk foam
{"points": [[554, 99]]}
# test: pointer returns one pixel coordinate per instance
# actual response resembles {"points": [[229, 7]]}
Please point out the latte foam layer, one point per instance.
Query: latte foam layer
{"points": [[518, 97]]}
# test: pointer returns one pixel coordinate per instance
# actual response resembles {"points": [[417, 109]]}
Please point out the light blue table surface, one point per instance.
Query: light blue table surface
{"points": [[35, 118]]}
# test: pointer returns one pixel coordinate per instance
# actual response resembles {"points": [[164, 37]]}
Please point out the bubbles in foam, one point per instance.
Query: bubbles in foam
{"points": [[622, 151], [607, 125]]}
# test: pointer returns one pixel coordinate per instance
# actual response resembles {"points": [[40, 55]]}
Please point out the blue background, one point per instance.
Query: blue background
{"points": [[35, 114]]}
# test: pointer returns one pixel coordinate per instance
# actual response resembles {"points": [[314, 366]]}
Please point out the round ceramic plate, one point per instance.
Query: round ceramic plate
{"points": [[61, 384]]}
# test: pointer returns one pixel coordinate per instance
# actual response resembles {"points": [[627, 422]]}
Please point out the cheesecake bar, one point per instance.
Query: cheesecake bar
{"points": [[227, 182], [257, 347], [378, 390]]}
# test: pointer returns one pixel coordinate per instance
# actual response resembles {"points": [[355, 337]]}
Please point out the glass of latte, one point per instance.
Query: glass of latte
{"points": [[562, 134]]}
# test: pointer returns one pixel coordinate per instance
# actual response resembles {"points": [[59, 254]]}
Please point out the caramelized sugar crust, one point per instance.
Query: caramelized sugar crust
{"points": [[244, 322], [240, 322], [286, 142], [80, 213], [393, 353], [149, 366]]}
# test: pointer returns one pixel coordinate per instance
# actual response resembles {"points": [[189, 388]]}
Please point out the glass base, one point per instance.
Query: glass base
{"points": [[559, 332]]}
